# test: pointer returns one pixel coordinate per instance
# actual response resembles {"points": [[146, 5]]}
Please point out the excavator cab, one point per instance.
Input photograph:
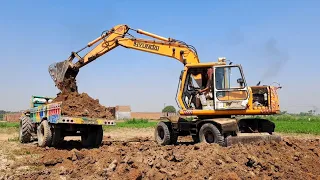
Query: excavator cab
{"points": [[228, 88]]}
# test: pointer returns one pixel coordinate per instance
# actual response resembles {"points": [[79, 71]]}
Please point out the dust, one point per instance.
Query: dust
{"points": [[289, 159]]}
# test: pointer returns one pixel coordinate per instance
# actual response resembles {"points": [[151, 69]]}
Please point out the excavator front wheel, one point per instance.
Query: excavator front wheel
{"points": [[164, 134], [209, 133]]}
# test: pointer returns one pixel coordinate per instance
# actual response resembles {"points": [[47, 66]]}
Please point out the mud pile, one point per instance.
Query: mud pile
{"points": [[290, 159], [82, 105]]}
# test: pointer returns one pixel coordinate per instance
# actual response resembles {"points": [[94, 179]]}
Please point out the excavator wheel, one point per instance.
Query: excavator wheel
{"points": [[44, 134], [164, 134], [209, 133], [25, 133]]}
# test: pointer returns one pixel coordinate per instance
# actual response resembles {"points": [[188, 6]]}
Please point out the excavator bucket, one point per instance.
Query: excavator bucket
{"points": [[60, 72]]}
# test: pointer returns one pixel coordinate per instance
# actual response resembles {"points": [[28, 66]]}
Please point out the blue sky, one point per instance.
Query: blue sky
{"points": [[273, 40]]}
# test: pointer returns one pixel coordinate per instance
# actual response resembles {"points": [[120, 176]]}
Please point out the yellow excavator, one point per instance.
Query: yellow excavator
{"points": [[214, 98]]}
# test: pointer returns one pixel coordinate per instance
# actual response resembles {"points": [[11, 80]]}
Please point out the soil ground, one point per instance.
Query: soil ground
{"points": [[132, 154]]}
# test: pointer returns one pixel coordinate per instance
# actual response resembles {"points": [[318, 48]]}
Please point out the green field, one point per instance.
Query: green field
{"points": [[296, 124], [133, 123], [284, 124]]}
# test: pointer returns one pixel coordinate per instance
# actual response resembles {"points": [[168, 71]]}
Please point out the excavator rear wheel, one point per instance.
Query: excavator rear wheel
{"points": [[209, 133]]}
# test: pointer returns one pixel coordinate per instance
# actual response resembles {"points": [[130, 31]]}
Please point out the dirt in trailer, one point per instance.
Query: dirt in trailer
{"points": [[80, 105], [141, 158]]}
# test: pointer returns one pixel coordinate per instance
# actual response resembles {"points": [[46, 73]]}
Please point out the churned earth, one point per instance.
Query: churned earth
{"points": [[138, 157]]}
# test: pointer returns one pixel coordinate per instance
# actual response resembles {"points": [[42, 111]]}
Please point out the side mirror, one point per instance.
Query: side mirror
{"points": [[240, 81]]}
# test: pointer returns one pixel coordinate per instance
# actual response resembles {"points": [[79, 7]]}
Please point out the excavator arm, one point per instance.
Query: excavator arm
{"points": [[64, 73]]}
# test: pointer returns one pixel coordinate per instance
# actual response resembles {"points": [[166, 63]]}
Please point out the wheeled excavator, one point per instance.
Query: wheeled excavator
{"points": [[221, 115]]}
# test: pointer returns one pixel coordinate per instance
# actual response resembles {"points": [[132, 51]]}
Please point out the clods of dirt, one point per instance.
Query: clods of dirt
{"points": [[289, 159]]}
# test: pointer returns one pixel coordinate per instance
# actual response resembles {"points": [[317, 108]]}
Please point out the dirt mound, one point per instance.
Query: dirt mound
{"points": [[290, 159], [82, 105], [79, 105]]}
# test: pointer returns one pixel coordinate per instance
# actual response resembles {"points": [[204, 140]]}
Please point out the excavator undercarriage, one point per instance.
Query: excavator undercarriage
{"points": [[212, 92]]}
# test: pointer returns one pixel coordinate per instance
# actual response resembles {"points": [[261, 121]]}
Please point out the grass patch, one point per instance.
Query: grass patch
{"points": [[9, 125], [295, 123], [306, 127], [133, 123], [13, 139]]}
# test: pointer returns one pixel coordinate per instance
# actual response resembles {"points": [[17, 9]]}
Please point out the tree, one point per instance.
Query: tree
{"points": [[169, 109], [283, 112]]}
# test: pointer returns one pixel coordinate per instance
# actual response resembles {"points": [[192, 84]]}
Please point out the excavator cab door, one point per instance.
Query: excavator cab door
{"points": [[230, 89]]}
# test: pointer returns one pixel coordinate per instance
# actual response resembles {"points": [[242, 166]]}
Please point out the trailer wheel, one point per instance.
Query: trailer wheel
{"points": [[163, 134], [93, 137], [25, 131], [57, 137], [44, 134], [209, 133], [99, 136]]}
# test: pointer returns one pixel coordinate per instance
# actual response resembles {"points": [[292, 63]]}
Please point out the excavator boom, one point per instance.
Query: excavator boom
{"points": [[64, 73]]}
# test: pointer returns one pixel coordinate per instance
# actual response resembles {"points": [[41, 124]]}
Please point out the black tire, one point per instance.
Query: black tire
{"points": [[57, 137], [99, 136], [25, 130], [93, 137], [174, 138], [209, 133], [88, 139], [44, 134], [162, 134]]}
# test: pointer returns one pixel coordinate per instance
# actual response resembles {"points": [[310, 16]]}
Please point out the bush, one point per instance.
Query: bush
{"points": [[136, 121]]}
